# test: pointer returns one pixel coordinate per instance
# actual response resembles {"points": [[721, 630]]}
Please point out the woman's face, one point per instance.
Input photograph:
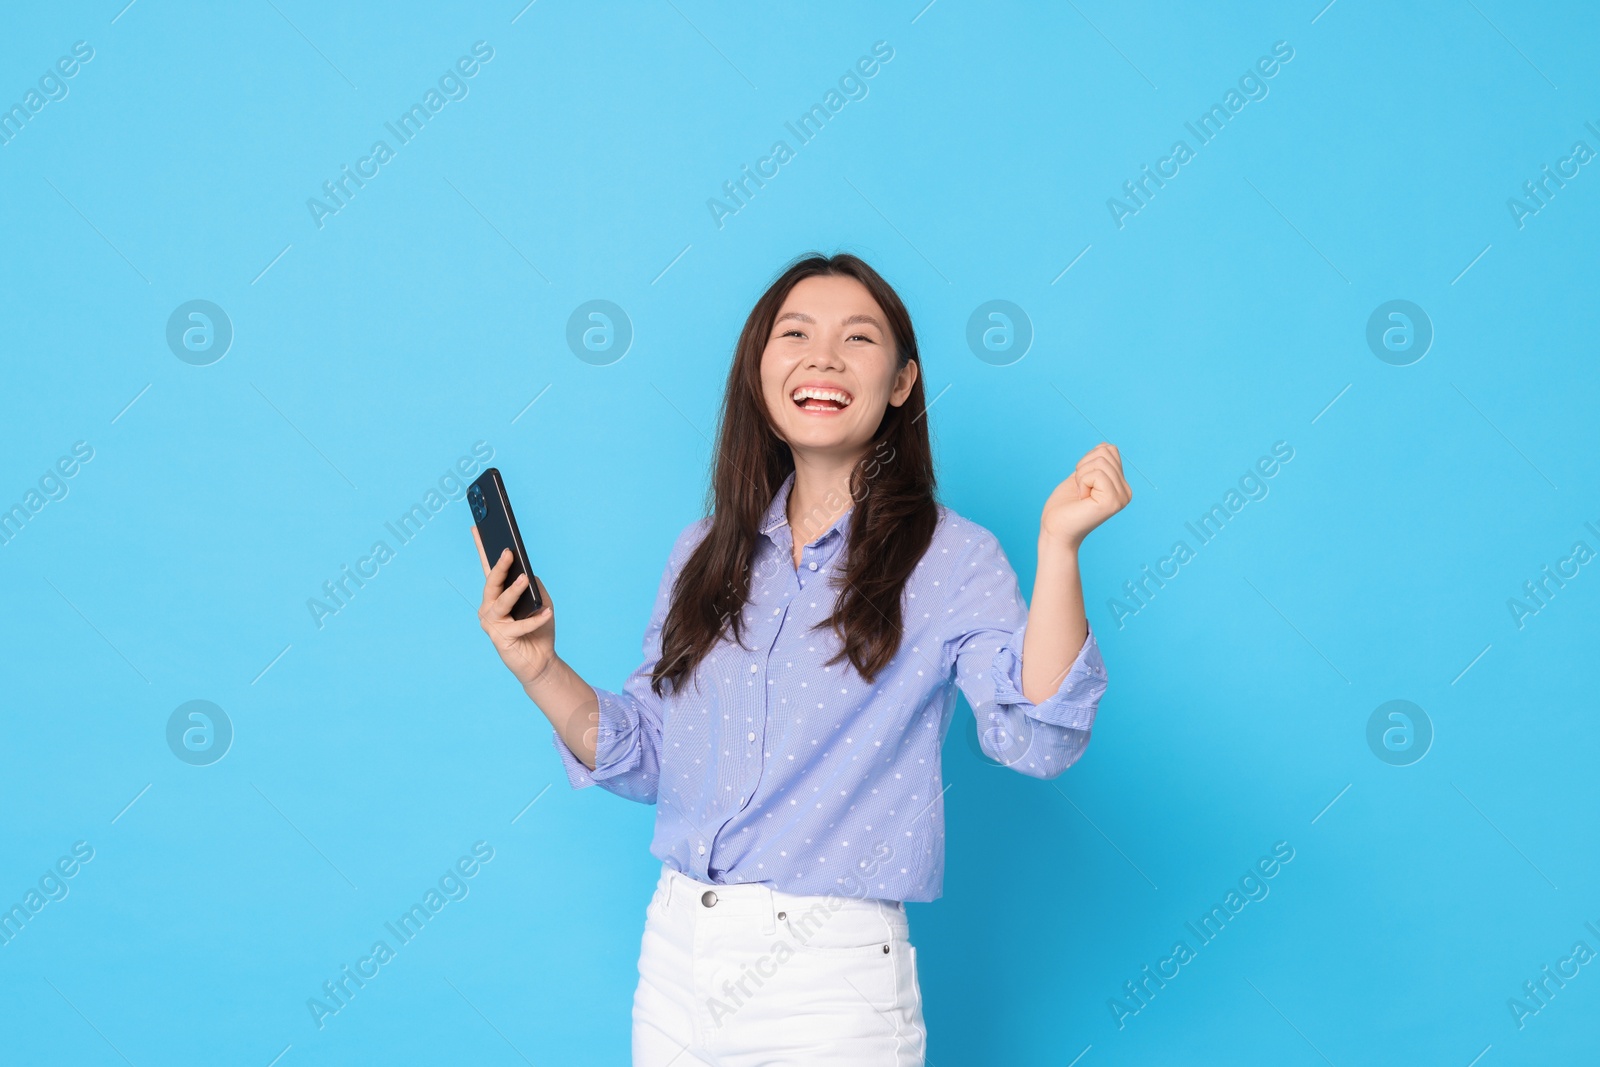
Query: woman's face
{"points": [[832, 337]]}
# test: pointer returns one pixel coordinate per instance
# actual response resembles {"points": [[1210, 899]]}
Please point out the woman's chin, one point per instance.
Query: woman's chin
{"points": [[823, 444]]}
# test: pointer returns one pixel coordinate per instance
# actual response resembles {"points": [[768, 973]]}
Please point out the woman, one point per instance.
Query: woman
{"points": [[800, 672]]}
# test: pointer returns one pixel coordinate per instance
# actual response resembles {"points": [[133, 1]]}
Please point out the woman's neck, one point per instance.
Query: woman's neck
{"points": [[820, 494]]}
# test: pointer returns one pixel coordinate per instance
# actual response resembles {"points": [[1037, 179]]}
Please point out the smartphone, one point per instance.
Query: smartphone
{"points": [[497, 529]]}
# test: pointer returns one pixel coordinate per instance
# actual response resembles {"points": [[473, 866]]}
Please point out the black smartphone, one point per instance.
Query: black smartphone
{"points": [[497, 529]]}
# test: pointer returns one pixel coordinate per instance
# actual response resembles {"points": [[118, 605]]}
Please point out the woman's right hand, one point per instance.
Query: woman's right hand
{"points": [[527, 646]]}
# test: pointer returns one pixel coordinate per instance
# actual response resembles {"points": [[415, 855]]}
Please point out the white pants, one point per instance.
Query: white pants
{"points": [[748, 976]]}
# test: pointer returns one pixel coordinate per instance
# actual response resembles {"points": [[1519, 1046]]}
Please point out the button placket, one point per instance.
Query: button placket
{"points": [[755, 740]]}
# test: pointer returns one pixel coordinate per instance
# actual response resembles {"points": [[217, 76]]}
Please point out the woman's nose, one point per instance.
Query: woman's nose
{"points": [[826, 356]]}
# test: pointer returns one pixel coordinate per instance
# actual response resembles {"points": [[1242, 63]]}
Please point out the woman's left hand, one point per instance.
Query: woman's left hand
{"points": [[1094, 492]]}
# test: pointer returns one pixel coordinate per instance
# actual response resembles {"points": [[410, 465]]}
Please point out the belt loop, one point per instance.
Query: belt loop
{"points": [[666, 896], [769, 914]]}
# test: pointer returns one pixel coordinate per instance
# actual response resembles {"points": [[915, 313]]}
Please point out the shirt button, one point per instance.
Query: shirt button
{"points": [[811, 566], [702, 850], [775, 611], [754, 668], [750, 737]]}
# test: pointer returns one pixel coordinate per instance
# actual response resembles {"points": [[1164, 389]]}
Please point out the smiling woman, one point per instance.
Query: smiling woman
{"points": [[834, 327], [800, 673]]}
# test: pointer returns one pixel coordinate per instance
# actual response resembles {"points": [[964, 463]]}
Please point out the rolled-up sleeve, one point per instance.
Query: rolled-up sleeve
{"points": [[988, 621], [628, 725]]}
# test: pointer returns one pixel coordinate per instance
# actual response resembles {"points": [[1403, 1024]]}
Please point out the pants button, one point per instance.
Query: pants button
{"points": [[708, 898]]}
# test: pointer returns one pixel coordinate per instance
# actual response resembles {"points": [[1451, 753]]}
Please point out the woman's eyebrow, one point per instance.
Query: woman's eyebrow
{"points": [[853, 319]]}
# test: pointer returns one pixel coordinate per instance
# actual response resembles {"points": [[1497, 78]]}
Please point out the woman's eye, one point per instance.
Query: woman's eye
{"points": [[796, 332]]}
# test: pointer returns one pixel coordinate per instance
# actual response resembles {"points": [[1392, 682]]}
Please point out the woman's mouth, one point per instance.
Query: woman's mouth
{"points": [[820, 400]]}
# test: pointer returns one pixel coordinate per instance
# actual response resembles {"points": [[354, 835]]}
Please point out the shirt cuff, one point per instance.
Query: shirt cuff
{"points": [[1077, 700], [614, 753]]}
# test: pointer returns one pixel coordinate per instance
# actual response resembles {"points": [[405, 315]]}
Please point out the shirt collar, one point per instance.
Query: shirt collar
{"points": [[778, 515]]}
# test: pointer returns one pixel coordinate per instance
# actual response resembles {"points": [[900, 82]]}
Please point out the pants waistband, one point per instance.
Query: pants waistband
{"points": [[761, 901]]}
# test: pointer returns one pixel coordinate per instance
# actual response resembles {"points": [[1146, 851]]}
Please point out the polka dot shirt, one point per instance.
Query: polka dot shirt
{"points": [[770, 766]]}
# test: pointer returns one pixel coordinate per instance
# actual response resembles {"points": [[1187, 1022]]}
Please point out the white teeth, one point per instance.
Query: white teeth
{"points": [[807, 392]]}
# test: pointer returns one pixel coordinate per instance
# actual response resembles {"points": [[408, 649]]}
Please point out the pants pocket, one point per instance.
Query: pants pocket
{"points": [[844, 954], [843, 927], [657, 897]]}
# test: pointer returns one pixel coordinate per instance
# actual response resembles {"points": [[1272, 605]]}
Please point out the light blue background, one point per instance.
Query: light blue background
{"points": [[427, 314]]}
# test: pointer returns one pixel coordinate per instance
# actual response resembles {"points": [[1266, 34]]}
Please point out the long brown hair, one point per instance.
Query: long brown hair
{"points": [[893, 488]]}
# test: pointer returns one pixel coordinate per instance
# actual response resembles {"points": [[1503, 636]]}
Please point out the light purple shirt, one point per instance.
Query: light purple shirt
{"points": [[781, 770]]}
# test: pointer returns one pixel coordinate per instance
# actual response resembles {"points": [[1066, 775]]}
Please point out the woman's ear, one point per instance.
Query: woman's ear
{"points": [[904, 379]]}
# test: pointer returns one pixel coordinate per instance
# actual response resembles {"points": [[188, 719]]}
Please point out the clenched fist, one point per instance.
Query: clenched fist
{"points": [[1095, 491]]}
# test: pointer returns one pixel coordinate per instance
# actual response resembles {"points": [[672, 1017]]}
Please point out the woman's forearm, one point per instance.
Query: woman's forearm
{"points": [[1057, 626], [570, 704]]}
